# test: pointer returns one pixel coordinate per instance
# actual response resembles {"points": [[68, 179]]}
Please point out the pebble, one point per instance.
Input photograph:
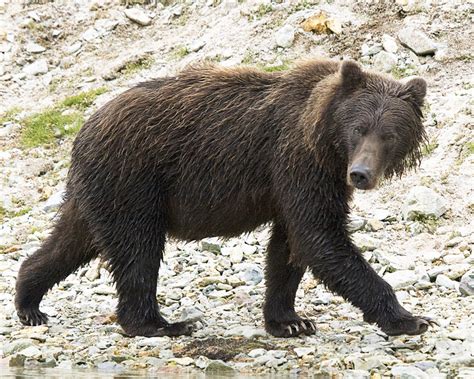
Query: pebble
{"points": [[285, 36], [302, 351], [466, 286], [37, 67], [34, 48], [138, 16], [444, 281], [423, 201], [54, 201], [401, 279], [218, 367], [408, 372], [417, 41], [389, 44], [385, 61]]}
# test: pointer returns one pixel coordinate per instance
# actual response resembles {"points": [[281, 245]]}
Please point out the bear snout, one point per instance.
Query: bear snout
{"points": [[360, 177]]}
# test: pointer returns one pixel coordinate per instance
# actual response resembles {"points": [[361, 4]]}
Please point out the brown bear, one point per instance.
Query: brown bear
{"points": [[217, 152]]}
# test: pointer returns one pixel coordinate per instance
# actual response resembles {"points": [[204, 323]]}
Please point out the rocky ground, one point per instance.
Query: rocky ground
{"points": [[418, 232]]}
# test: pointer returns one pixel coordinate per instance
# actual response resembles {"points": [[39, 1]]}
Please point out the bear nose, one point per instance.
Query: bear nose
{"points": [[360, 176]]}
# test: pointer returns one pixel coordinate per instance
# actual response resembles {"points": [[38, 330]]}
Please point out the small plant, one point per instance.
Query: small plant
{"points": [[429, 147], [180, 52], [137, 65], [41, 128], [65, 118], [263, 9], [281, 67], [83, 100], [9, 115], [249, 57]]}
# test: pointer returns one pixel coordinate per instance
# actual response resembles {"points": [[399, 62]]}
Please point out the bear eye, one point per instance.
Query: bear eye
{"points": [[358, 131]]}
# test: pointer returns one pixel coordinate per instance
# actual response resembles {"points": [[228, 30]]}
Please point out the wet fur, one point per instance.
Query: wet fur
{"points": [[217, 152]]}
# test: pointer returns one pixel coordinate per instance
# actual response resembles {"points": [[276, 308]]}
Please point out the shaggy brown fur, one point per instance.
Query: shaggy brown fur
{"points": [[217, 152]]}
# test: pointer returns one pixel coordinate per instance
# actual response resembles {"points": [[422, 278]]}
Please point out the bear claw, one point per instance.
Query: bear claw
{"points": [[291, 328], [411, 326], [32, 317]]}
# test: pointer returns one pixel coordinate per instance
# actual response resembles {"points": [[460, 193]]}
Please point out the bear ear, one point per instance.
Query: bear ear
{"points": [[352, 75], [415, 90]]}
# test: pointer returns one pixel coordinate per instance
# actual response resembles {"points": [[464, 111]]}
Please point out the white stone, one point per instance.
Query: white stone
{"points": [[467, 283], [423, 201], [444, 281], [417, 41], [138, 16], [408, 372], [256, 353], [34, 48], [302, 351], [90, 34], [37, 67], [71, 49], [401, 279], [54, 201], [389, 43], [385, 61], [285, 36]]}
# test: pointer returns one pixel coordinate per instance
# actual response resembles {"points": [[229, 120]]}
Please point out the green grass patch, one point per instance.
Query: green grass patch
{"points": [[281, 67], [180, 52], [431, 223], [429, 147], [138, 65], [41, 128], [9, 115], [263, 9], [403, 72], [63, 119], [83, 100]]}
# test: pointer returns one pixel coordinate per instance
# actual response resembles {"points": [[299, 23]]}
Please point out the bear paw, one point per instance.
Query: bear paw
{"points": [[184, 328], [32, 317], [411, 326], [291, 328]]}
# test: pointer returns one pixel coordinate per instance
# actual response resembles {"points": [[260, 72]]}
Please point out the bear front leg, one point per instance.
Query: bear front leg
{"points": [[318, 240], [282, 280]]}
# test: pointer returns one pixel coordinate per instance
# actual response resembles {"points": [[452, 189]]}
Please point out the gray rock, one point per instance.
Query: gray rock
{"points": [[401, 279], [285, 36], [467, 283], [385, 61], [36, 68], [389, 44], [408, 372], [251, 274], [34, 48], [138, 16], [54, 201], [444, 281], [211, 244], [245, 331], [90, 34], [423, 201], [255, 353], [355, 223], [417, 41], [218, 367], [197, 45], [368, 51], [356, 374], [302, 351], [71, 49], [15, 346], [397, 262]]}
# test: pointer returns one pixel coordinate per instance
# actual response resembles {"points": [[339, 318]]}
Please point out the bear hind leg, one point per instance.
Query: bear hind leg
{"points": [[67, 248], [282, 280], [134, 251]]}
